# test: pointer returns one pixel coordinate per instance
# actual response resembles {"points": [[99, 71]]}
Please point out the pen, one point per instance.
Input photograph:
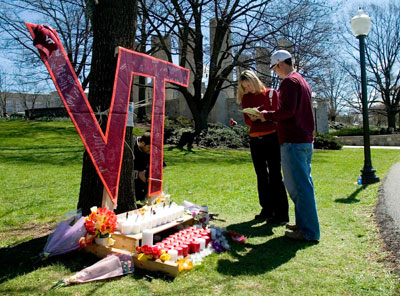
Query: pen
{"points": [[260, 106]]}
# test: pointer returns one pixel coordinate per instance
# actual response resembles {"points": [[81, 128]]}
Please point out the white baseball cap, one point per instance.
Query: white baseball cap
{"points": [[279, 56]]}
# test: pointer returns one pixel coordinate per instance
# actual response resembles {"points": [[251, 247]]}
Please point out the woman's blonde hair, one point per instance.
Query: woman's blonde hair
{"points": [[251, 77]]}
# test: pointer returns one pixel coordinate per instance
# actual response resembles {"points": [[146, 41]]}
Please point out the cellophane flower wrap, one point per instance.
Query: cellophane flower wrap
{"points": [[66, 236], [111, 266], [100, 223]]}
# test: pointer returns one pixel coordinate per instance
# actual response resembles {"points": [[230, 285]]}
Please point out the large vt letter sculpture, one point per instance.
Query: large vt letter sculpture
{"points": [[106, 150]]}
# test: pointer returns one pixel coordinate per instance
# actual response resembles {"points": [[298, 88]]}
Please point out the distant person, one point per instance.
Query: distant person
{"points": [[141, 164], [295, 130], [264, 148]]}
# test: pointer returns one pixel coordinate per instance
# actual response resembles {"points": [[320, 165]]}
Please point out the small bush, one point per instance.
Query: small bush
{"points": [[181, 132], [326, 142], [355, 131], [175, 128], [220, 136]]}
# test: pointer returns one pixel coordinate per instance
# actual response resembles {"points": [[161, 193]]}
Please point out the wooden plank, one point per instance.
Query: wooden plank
{"points": [[167, 267], [124, 242], [170, 268], [102, 251]]}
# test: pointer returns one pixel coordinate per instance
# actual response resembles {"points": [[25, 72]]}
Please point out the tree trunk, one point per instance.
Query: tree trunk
{"points": [[114, 24], [200, 121], [391, 116]]}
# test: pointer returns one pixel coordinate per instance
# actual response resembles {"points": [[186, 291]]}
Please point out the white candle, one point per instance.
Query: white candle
{"points": [[169, 216], [181, 211], [135, 228], [126, 227], [174, 255], [120, 220], [147, 237], [164, 217], [146, 224], [202, 243]]}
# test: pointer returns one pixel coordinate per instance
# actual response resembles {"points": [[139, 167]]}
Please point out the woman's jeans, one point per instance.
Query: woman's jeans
{"points": [[265, 153], [296, 166]]}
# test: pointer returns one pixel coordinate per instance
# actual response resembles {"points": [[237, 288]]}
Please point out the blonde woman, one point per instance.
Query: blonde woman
{"points": [[264, 147]]}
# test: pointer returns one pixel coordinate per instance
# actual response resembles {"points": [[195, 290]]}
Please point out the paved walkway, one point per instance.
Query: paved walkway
{"points": [[388, 214], [390, 189], [374, 147], [388, 210]]}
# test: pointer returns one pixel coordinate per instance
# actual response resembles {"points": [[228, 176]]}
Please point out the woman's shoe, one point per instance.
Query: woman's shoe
{"points": [[275, 221], [262, 216]]}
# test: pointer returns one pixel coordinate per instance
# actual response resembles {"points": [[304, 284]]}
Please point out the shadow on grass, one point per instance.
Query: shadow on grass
{"points": [[24, 258], [252, 228], [60, 155], [253, 259], [33, 129], [352, 197], [181, 149], [261, 258]]}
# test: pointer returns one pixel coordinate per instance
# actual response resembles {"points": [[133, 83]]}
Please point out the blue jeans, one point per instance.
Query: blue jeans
{"points": [[296, 166]]}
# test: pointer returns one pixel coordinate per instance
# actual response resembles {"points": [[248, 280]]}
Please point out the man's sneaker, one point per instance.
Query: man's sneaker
{"points": [[292, 227], [297, 235]]}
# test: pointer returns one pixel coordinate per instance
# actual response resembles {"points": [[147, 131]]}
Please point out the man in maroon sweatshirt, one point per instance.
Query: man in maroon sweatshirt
{"points": [[295, 132]]}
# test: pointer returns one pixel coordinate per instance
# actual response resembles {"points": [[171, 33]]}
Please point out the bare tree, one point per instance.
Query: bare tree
{"points": [[333, 86], [69, 18], [4, 92], [236, 26], [309, 32], [239, 28], [28, 93], [382, 57]]}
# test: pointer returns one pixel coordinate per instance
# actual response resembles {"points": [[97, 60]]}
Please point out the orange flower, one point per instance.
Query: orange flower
{"points": [[101, 222]]}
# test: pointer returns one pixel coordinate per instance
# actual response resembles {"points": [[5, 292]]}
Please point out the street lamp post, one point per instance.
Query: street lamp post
{"points": [[360, 26], [315, 106]]}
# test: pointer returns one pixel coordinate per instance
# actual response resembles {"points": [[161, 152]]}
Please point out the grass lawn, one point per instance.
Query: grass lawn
{"points": [[40, 170]]}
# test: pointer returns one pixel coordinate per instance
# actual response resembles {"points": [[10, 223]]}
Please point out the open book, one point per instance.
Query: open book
{"points": [[251, 111]]}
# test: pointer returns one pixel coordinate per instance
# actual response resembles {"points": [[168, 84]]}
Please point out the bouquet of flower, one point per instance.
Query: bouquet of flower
{"points": [[161, 198], [201, 217], [99, 224], [152, 252], [199, 213], [66, 236], [111, 266]]}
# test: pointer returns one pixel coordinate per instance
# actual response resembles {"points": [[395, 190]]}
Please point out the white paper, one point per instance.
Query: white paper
{"points": [[130, 114]]}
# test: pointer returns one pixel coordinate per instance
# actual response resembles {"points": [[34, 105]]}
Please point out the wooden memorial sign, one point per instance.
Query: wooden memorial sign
{"points": [[106, 149]]}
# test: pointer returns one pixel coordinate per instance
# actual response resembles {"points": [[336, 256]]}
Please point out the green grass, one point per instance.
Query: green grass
{"points": [[40, 169]]}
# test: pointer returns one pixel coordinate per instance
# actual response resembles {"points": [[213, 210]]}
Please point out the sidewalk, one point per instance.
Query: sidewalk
{"points": [[374, 147], [388, 214]]}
